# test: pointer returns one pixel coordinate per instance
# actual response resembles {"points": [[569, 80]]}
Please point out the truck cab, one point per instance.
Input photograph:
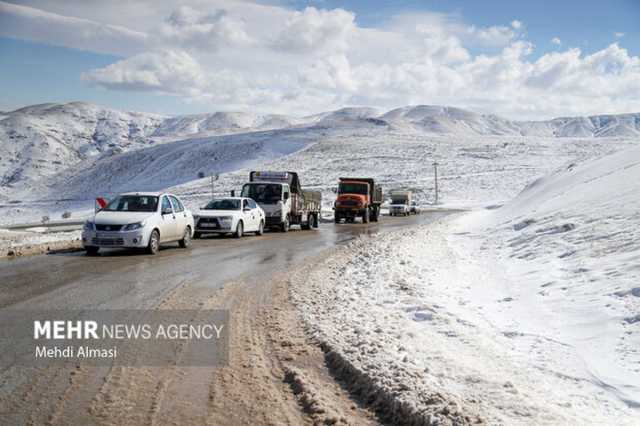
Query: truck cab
{"points": [[274, 198], [400, 203], [358, 197], [284, 202]]}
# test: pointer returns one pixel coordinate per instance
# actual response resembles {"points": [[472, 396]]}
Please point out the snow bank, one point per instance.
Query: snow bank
{"points": [[526, 314]]}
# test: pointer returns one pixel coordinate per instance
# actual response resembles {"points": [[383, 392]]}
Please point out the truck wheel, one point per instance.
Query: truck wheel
{"points": [[365, 216], [307, 226], [316, 222], [336, 218], [92, 250], [376, 213], [239, 230], [186, 238], [284, 227], [154, 242], [311, 222]]}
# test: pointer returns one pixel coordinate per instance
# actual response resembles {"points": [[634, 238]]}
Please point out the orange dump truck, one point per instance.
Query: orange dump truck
{"points": [[358, 197]]}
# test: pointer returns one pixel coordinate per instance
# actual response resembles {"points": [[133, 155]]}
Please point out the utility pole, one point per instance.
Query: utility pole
{"points": [[213, 179], [435, 172]]}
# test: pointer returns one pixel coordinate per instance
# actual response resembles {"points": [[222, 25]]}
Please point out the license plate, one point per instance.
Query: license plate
{"points": [[99, 235], [208, 225]]}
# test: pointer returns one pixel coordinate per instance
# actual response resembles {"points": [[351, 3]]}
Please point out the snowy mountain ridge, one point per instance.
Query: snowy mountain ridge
{"points": [[41, 141]]}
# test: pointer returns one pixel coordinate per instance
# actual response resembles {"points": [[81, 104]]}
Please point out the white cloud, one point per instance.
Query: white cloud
{"points": [[229, 55], [36, 25], [165, 71], [556, 41], [618, 35], [200, 29], [312, 30]]}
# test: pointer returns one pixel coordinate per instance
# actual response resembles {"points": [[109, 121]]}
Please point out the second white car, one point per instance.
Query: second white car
{"points": [[233, 215]]}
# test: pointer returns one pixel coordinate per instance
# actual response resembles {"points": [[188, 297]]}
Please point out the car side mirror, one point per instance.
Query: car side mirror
{"points": [[246, 209], [166, 211]]}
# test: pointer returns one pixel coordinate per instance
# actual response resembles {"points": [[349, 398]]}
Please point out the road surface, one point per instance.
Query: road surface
{"points": [[248, 276]]}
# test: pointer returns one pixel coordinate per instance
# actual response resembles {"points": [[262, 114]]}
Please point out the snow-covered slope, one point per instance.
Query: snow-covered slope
{"points": [[175, 163], [438, 119], [222, 123], [448, 120], [538, 301], [41, 140]]}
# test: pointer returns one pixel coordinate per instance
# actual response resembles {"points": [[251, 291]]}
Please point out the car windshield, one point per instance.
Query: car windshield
{"points": [[398, 201], [267, 193], [223, 205], [133, 203], [353, 188]]}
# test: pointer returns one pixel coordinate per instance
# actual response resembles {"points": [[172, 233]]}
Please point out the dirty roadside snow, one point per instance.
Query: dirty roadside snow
{"points": [[526, 314]]}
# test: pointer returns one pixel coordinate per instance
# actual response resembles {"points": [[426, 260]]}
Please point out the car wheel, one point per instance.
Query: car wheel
{"points": [[91, 250], [197, 235], [336, 219], [239, 230], [260, 230], [154, 242], [186, 238]]}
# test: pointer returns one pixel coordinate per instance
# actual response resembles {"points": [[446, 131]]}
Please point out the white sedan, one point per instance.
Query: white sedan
{"points": [[139, 220], [234, 215]]}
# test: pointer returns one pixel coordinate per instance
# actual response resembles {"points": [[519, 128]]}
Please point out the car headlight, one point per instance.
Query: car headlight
{"points": [[89, 226], [226, 220], [133, 226]]}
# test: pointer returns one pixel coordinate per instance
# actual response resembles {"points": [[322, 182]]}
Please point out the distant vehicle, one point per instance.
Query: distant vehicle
{"points": [[358, 197], [139, 220], [234, 215], [284, 202], [401, 201], [415, 208]]}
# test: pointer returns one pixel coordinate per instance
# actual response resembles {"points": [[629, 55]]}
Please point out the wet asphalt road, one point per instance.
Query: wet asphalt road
{"points": [[131, 280]]}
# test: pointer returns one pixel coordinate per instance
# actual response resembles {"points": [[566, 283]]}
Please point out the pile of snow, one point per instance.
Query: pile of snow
{"points": [[526, 314]]}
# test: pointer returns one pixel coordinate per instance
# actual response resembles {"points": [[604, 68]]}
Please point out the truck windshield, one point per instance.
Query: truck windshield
{"points": [[223, 205], [353, 188], [266, 193], [133, 203], [398, 201]]}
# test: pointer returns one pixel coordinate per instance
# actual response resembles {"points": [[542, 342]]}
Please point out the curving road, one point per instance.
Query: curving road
{"points": [[247, 276]]}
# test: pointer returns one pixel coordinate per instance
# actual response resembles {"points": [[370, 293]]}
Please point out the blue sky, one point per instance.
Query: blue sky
{"points": [[220, 55], [589, 24]]}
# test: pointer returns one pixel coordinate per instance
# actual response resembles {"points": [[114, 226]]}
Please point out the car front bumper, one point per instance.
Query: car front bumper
{"points": [[124, 239]]}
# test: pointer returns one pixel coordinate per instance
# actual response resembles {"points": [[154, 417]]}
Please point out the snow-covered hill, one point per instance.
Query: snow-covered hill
{"points": [[41, 144], [220, 123], [39, 141]]}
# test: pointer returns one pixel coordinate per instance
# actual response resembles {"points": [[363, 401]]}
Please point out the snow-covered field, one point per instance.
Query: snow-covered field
{"points": [[525, 314]]}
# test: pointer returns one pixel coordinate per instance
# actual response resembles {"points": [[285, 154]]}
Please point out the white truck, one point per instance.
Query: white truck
{"points": [[283, 200], [400, 203]]}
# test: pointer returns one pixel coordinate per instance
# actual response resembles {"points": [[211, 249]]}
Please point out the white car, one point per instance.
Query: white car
{"points": [[233, 215], [139, 220]]}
